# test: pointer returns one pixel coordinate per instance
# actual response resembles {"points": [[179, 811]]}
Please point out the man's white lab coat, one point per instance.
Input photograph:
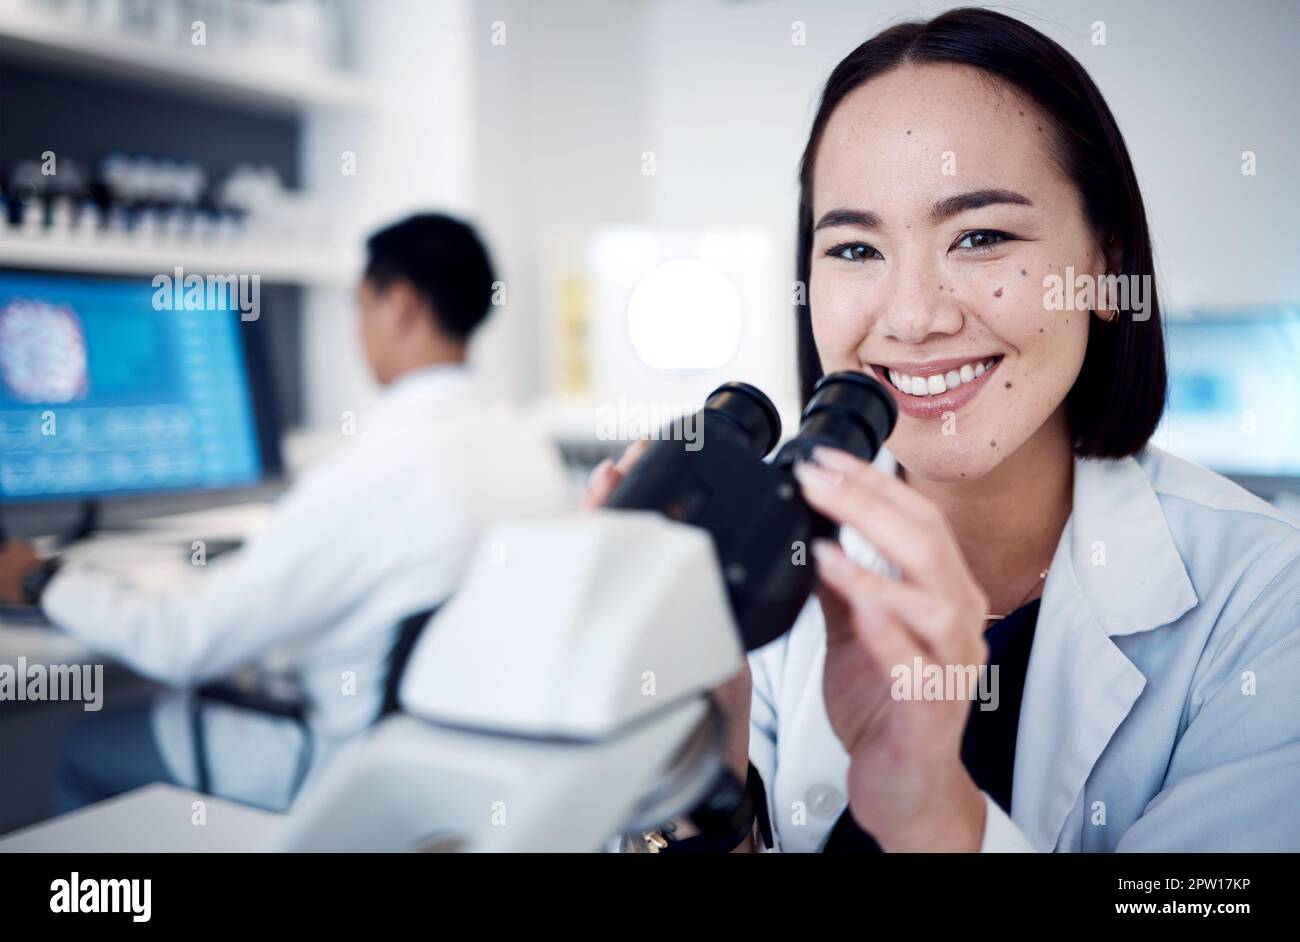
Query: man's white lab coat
{"points": [[380, 531]]}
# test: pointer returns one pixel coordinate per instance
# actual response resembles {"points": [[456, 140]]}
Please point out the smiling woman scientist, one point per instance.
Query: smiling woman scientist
{"points": [[1141, 610]]}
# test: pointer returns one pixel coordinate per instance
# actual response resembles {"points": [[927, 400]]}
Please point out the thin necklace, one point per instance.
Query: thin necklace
{"points": [[1025, 598], [898, 472]]}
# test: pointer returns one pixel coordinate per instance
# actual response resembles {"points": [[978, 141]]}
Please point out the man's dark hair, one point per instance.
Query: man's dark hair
{"points": [[1117, 400], [446, 263]]}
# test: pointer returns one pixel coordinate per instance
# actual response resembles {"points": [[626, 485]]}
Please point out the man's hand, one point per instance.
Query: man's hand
{"points": [[17, 559]]}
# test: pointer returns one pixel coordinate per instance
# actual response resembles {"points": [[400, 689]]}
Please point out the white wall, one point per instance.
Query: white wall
{"points": [[414, 148], [540, 140], [721, 95], [1192, 83], [561, 112]]}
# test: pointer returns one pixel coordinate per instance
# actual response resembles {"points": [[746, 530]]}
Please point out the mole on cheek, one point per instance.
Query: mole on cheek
{"points": [[998, 293], [993, 444], [1023, 273], [1008, 384]]}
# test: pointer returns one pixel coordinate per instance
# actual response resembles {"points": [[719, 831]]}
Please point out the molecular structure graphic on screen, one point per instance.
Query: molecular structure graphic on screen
{"points": [[42, 352]]}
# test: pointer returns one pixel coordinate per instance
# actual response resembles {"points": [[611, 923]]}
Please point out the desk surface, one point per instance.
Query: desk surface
{"points": [[39, 644], [154, 554], [154, 819]]}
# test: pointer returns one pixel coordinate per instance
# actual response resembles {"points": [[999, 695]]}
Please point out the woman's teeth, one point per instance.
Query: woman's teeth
{"points": [[938, 383]]}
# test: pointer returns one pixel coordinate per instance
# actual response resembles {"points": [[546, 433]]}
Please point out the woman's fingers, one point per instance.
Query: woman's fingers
{"points": [[868, 618], [924, 552], [631, 455], [884, 643], [604, 478], [864, 472], [607, 475], [876, 601]]}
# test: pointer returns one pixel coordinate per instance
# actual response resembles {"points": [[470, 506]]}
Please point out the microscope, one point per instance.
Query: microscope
{"points": [[562, 696]]}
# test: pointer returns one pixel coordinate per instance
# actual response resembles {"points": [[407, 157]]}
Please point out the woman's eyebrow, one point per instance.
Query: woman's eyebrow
{"points": [[863, 219], [952, 205], [945, 208]]}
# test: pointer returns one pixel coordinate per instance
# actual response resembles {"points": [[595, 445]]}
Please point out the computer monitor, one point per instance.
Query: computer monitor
{"points": [[1234, 394], [102, 395]]}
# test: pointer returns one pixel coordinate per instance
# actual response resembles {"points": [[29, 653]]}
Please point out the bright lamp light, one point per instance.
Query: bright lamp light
{"points": [[684, 314]]}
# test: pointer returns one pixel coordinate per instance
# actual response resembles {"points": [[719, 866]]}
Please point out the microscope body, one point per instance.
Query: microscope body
{"points": [[759, 524], [562, 696], [539, 705]]}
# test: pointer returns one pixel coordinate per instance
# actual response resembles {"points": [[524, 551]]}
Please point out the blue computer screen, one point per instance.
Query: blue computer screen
{"points": [[101, 394], [1234, 393]]}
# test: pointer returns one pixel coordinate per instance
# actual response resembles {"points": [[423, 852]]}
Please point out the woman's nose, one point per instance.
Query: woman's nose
{"points": [[919, 304]]}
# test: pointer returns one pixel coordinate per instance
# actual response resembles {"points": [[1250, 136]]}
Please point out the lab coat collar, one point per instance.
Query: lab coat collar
{"points": [[1124, 558], [442, 377], [414, 397], [1116, 571], [1126, 566]]}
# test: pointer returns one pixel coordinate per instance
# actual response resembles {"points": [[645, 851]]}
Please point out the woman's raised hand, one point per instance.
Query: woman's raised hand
{"points": [[907, 785]]}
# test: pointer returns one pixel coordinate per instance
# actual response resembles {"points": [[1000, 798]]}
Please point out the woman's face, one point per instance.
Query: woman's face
{"points": [[938, 211]]}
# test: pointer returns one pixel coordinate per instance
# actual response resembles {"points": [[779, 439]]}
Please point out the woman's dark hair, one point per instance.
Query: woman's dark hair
{"points": [[444, 260], [1119, 395]]}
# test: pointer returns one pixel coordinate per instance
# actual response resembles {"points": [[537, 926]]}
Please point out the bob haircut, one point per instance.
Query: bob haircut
{"points": [[1117, 400]]}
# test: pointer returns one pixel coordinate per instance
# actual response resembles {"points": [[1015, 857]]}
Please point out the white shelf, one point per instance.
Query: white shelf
{"points": [[272, 265], [211, 73]]}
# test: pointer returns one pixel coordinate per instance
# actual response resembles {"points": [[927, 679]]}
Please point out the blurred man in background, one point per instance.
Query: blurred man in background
{"points": [[379, 532]]}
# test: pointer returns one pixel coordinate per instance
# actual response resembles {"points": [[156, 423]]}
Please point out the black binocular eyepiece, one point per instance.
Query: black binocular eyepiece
{"points": [[847, 410], [750, 507]]}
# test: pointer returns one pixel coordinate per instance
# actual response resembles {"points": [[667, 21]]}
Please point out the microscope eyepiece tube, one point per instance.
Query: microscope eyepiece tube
{"points": [[849, 411], [749, 410]]}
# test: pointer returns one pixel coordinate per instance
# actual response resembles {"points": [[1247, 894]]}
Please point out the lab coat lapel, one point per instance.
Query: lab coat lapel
{"points": [[1116, 571]]}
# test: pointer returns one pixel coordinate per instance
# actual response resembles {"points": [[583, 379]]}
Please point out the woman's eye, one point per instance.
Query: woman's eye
{"points": [[983, 240], [853, 252]]}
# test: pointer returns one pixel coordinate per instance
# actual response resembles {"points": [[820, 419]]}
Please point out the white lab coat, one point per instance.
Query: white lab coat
{"points": [[380, 531], [1161, 708]]}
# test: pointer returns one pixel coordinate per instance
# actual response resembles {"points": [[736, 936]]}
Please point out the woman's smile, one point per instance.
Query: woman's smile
{"points": [[928, 389]]}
